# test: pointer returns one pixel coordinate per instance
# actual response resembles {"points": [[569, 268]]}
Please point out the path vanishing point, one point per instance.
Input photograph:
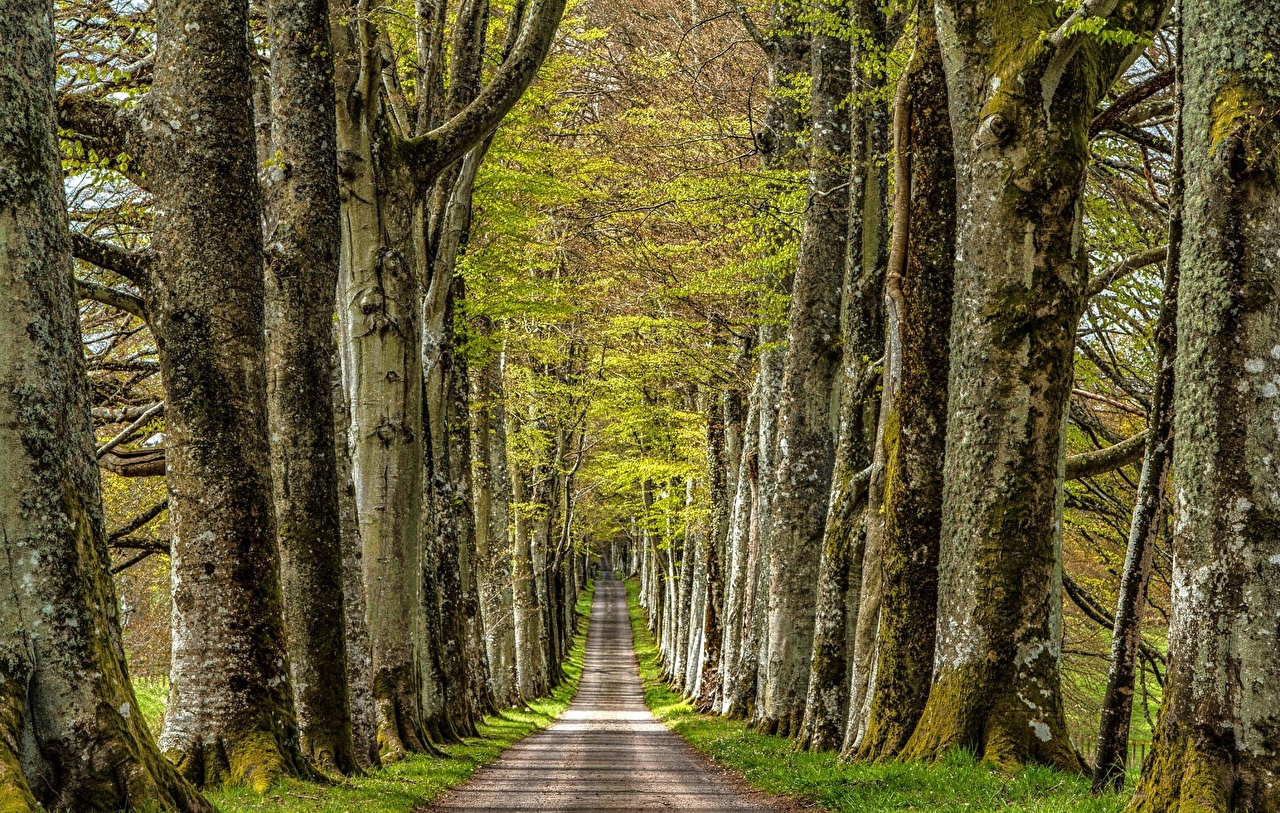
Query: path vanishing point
{"points": [[606, 752]]}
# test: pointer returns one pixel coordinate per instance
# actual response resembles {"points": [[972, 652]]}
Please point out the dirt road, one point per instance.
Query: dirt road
{"points": [[607, 752]]}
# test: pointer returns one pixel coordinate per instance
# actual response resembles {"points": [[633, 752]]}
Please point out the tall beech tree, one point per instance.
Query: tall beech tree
{"points": [[73, 737], [912, 447], [1215, 746], [389, 158], [230, 716], [840, 567], [1023, 85], [302, 243]]}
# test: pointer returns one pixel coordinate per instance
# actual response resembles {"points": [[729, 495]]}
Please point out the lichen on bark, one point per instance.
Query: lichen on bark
{"points": [[1215, 745]]}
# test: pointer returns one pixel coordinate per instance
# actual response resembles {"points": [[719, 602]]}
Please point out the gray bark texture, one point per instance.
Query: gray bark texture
{"points": [[1023, 86], [71, 736], [805, 442], [302, 241], [230, 716], [1216, 742]]}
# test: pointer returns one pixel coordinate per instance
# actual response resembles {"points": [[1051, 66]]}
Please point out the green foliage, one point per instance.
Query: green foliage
{"points": [[954, 784]]}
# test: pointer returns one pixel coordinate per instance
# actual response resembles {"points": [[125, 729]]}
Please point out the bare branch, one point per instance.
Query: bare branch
{"points": [[430, 154], [120, 300], [134, 266], [1101, 461], [138, 521], [141, 463], [128, 431], [1105, 279]]}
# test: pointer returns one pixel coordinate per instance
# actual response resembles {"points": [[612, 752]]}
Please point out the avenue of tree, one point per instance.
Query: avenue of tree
{"points": [[919, 360]]}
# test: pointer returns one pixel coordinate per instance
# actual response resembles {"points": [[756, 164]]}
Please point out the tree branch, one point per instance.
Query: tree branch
{"points": [[120, 300], [1129, 100], [430, 154], [766, 44], [141, 463], [1096, 613], [1105, 279], [134, 266], [1101, 461], [128, 431], [110, 127], [138, 521]]}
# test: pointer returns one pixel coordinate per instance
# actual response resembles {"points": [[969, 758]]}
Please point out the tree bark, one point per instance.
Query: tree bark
{"points": [[840, 568], [364, 713], [71, 736], [302, 243], [913, 432], [1215, 745], [805, 442], [1023, 86], [230, 717]]}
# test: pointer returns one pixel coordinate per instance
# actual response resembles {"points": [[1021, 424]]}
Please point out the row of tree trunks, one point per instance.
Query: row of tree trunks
{"points": [[1020, 270]]}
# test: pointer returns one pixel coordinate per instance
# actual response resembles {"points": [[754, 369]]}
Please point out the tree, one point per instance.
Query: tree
{"points": [[1214, 747], [913, 434], [1023, 85], [302, 242], [805, 441], [65, 680]]}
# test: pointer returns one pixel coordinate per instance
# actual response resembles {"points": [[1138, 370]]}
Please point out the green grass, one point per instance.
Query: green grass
{"points": [[413, 782], [955, 784]]}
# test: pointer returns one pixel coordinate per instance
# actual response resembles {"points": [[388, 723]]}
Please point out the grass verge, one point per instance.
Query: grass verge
{"points": [[410, 784], [955, 784]]}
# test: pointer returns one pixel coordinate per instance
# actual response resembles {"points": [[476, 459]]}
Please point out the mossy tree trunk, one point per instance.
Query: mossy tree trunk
{"points": [[862, 341], [915, 390], [302, 243], [805, 435], [230, 717], [1023, 84], [786, 47], [71, 735], [1216, 743]]}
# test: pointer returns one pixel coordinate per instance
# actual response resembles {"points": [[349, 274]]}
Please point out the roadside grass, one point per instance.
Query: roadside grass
{"points": [[955, 784], [413, 782]]}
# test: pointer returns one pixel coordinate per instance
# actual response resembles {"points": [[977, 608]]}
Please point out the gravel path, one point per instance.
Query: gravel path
{"points": [[606, 752]]}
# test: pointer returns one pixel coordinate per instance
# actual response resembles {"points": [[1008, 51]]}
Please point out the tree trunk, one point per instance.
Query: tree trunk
{"points": [[493, 534], [378, 340], [1023, 86], [913, 431], [1215, 746], [230, 717], [724, 431], [71, 736], [738, 571], [753, 662], [302, 244], [364, 713], [805, 443], [1112, 750], [862, 330], [531, 669]]}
